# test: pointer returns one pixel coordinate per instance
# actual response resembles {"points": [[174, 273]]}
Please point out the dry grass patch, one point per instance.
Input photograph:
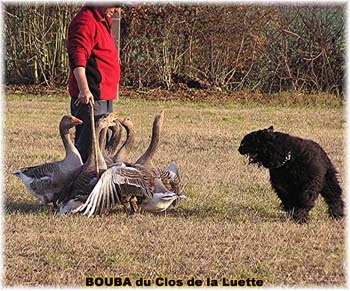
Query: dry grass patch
{"points": [[230, 225]]}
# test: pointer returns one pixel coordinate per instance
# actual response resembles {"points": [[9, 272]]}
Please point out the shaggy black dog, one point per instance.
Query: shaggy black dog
{"points": [[299, 170]]}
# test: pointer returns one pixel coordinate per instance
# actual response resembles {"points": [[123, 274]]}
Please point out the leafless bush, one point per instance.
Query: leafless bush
{"points": [[35, 43], [264, 48], [306, 49]]}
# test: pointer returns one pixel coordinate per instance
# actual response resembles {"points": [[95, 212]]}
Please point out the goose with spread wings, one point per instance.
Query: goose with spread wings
{"points": [[117, 185]]}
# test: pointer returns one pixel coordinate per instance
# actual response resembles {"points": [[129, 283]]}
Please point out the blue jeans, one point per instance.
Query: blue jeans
{"points": [[82, 138]]}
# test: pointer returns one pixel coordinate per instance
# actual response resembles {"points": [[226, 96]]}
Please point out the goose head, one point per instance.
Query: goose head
{"points": [[175, 182], [106, 120], [126, 122], [68, 121], [66, 208], [160, 118]]}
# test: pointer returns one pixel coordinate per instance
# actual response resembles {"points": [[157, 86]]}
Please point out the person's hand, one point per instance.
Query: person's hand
{"points": [[85, 97]]}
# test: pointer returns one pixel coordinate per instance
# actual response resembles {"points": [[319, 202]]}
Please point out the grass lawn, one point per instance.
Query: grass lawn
{"points": [[230, 225]]}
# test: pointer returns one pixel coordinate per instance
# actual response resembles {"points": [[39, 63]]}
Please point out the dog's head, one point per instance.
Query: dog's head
{"points": [[262, 148]]}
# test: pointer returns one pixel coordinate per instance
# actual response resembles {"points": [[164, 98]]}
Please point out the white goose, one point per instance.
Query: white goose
{"points": [[46, 181]]}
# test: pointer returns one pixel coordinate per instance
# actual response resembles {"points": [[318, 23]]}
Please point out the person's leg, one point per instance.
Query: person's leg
{"points": [[102, 107], [82, 137]]}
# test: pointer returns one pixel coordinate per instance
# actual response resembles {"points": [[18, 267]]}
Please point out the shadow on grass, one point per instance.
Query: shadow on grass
{"points": [[235, 213], [25, 207], [257, 213]]}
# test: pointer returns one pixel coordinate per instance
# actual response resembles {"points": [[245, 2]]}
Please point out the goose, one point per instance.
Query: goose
{"points": [[146, 158], [46, 181], [118, 184], [109, 149], [173, 178], [112, 146], [170, 177], [81, 185], [160, 202], [122, 155], [102, 145], [121, 183]]}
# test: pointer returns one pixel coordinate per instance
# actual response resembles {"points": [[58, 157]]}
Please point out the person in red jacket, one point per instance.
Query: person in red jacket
{"points": [[94, 67]]}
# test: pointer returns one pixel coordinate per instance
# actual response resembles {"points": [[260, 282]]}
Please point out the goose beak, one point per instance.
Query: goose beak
{"points": [[120, 119], [76, 121], [115, 117]]}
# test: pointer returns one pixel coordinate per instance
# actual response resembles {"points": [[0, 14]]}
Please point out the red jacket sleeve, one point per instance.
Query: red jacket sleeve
{"points": [[81, 34]]}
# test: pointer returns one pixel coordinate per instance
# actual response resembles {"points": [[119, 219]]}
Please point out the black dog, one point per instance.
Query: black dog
{"points": [[299, 170]]}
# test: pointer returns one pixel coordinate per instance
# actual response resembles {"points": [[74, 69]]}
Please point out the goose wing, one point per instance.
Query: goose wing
{"points": [[170, 180], [39, 171], [42, 180], [116, 185]]}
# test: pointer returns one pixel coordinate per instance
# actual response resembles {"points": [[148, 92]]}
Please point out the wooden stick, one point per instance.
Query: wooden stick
{"points": [[93, 136], [118, 36], [116, 32]]}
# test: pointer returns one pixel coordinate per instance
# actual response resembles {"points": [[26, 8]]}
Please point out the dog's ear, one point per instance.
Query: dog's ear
{"points": [[270, 129]]}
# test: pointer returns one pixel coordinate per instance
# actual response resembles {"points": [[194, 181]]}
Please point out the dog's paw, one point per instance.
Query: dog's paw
{"points": [[300, 216]]}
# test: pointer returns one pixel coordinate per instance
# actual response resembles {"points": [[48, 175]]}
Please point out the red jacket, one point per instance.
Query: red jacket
{"points": [[91, 45]]}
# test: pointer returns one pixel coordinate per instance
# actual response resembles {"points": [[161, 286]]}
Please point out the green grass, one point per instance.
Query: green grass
{"points": [[230, 225]]}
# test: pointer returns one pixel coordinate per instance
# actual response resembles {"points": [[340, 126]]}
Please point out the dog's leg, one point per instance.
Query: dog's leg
{"points": [[310, 189], [300, 215], [332, 193], [291, 206], [305, 202], [286, 202]]}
